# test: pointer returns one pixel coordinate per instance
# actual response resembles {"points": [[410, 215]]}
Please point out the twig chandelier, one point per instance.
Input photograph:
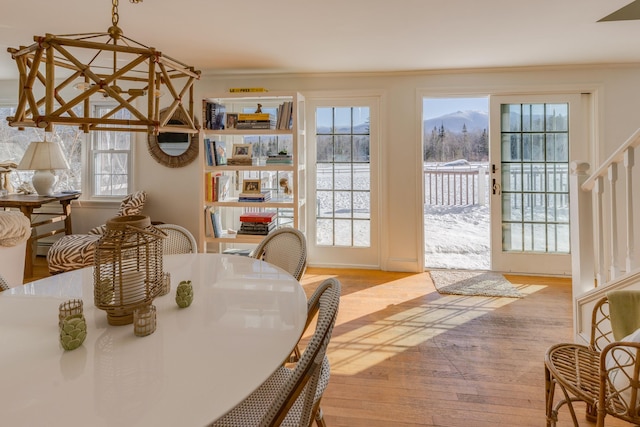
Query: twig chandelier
{"points": [[109, 64]]}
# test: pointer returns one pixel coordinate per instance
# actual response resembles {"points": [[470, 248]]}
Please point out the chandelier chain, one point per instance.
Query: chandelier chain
{"points": [[114, 13]]}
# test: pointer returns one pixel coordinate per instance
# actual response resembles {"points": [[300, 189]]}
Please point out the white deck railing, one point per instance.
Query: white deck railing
{"points": [[455, 185], [604, 229]]}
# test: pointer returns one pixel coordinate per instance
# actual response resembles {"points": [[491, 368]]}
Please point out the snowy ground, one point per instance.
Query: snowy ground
{"points": [[457, 237]]}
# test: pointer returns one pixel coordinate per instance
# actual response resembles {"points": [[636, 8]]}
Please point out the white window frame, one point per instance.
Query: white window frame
{"points": [[89, 167]]}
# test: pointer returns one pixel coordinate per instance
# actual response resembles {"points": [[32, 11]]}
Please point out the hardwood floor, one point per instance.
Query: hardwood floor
{"points": [[403, 355]]}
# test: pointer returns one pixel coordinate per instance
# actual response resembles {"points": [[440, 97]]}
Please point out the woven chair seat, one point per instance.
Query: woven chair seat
{"points": [[575, 368], [252, 410]]}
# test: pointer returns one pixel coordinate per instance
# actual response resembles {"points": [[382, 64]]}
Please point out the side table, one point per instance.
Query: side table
{"points": [[27, 204]]}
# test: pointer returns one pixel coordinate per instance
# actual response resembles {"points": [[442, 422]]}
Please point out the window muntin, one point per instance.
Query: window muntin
{"points": [[343, 176]]}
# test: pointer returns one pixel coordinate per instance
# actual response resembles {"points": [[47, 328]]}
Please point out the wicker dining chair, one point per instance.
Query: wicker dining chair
{"points": [[604, 375], [291, 397], [179, 240], [286, 248]]}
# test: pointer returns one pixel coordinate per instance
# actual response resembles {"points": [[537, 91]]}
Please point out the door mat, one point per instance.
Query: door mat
{"points": [[473, 283]]}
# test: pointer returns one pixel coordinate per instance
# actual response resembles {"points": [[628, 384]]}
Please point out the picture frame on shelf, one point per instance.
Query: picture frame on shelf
{"points": [[251, 186], [232, 120], [241, 151]]}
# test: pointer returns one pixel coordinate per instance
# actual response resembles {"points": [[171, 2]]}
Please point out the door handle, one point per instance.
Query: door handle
{"points": [[495, 187]]}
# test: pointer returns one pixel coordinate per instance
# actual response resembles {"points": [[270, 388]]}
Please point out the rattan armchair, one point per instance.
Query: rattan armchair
{"points": [[291, 397], [604, 375], [286, 248], [179, 240]]}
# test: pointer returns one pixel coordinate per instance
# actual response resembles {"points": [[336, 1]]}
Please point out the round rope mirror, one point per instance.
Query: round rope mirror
{"points": [[174, 149]]}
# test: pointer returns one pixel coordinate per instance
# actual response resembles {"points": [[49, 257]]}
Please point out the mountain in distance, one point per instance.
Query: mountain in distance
{"points": [[453, 122]]}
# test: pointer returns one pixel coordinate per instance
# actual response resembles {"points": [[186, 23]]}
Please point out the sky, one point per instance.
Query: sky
{"points": [[436, 107]]}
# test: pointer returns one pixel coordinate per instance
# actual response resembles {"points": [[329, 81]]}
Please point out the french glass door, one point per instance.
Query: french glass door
{"points": [[343, 164], [533, 139]]}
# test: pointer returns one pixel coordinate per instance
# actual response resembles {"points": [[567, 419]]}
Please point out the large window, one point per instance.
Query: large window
{"points": [[108, 162], [343, 177]]}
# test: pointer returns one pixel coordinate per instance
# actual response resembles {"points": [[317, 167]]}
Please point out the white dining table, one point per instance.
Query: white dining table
{"points": [[201, 361]]}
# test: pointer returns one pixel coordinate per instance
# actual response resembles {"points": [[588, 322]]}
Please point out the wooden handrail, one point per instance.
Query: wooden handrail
{"points": [[616, 157]]}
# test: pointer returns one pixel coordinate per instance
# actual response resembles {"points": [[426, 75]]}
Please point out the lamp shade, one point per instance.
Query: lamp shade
{"points": [[43, 157]]}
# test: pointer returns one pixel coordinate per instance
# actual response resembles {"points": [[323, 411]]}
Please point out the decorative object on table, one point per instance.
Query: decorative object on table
{"points": [[5, 180], [86, 58], [25, 188], [184, 294], [127, 267], [69, 308], [144, 320], [44, 157], [73, 331], [166, 284]]}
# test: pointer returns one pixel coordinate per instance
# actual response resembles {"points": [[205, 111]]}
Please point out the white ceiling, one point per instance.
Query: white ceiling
{"points": [[303, 36]]}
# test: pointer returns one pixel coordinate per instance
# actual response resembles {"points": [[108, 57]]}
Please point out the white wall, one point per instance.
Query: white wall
{"points": [[173, 193]]}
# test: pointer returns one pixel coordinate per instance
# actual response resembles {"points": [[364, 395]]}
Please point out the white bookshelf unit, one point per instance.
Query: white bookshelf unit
{"points": [[289, 208]]}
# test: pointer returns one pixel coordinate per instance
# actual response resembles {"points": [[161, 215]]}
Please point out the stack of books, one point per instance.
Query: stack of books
{"points": [[280, 159], [263, 196], [257, 223], [255, 121]]}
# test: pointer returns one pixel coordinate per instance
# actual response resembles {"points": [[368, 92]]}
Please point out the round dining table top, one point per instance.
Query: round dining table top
{"points": [[201, 361]]}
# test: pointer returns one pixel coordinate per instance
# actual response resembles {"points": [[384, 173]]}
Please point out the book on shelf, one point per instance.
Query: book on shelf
{"points": [[220, 153], [253, 117], [258, 216], [216, 186], [208, 152], [285, 113], [213, 224], [214, 114], [247, 89], [283, 159], [223, 183], [263, 196], [257, 229], [253, 125]]}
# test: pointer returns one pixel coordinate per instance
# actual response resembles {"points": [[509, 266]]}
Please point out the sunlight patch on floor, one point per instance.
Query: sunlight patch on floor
{"points": [[355, 350]]}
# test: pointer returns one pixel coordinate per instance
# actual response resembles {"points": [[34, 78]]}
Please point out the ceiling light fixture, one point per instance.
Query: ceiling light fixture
{"points": [[110, 64]]}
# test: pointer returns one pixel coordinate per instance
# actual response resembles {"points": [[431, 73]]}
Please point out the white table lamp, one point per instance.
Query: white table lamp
{"points": [[43, 157]]}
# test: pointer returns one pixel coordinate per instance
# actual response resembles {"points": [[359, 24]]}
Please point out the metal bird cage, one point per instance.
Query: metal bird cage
{"points": [[128, 267]]}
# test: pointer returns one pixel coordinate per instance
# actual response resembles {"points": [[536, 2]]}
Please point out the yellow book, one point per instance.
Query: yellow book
{"points": [[247, 89], [244, 117]]}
